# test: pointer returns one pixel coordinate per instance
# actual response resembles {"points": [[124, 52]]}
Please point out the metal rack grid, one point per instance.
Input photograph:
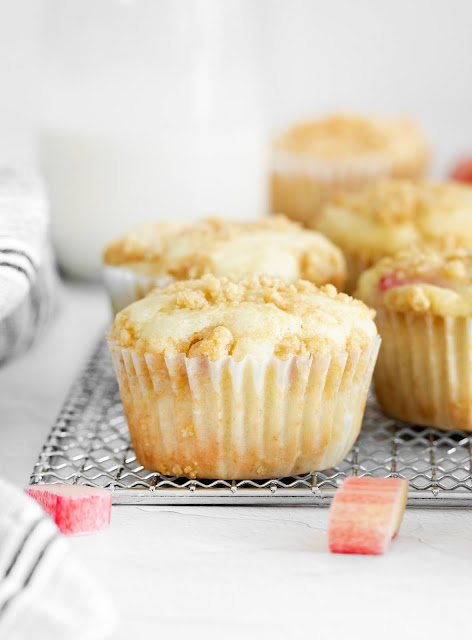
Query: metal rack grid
{"points": [[89, 444]]}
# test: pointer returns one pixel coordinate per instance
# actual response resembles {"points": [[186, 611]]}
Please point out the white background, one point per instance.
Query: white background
{"points": [[401, 55], [163, 109], [232, 572]]}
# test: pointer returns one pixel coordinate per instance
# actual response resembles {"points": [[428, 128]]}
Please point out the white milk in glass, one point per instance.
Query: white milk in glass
{"points": [[151, 113]]}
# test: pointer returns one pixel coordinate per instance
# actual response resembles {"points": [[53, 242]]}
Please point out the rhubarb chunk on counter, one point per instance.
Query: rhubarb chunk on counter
{"points": [[366, 514], [76, 509]]}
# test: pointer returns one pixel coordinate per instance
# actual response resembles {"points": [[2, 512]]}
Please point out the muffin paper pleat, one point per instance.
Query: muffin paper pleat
{"points": [[247, 419], [300, 185], [125, 286], [424, 370]]}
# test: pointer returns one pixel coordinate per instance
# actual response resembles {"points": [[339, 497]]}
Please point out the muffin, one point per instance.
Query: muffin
{"points": [[317, 159], [159, 253], [256, 379], [397, 214], [424, 311]]}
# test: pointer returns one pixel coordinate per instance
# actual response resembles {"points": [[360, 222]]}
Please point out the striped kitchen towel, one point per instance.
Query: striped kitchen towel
{"points": [[45, 592], [27, 273]]}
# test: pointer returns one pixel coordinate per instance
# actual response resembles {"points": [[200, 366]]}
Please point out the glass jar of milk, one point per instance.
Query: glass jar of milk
{"points": [[151, 111]]}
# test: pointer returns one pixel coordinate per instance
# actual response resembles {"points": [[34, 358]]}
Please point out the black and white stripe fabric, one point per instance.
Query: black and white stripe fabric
{"points": [[45, 592], [27, 273]]}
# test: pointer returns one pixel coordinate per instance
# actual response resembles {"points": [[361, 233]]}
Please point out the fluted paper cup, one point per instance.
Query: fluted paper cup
{"points": [[424, 371], [125, 286], [249, 419], [302, 184]]}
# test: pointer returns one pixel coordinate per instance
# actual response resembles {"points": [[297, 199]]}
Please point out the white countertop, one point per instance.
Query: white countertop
{"points": [[235, 571]]}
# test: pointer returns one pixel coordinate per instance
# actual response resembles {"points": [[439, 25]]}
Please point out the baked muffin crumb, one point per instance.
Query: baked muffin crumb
{"points": [[272, 245], [216, 317], [391, 202], [215, 344], [340, 136], [425, 281], [395, 215]]}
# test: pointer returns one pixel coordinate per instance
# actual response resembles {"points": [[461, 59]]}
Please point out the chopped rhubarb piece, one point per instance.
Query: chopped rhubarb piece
{"points": [[76, 509], [463, 171], [391, 281], [366, 514], [388, 282]]}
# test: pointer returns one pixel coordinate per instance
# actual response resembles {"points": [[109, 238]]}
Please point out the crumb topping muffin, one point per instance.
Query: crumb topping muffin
{"points": [[428, 282], [264, 316], [273, 246], [260, 378], [424, 316], [317, 159], [392, 215], [392, 202], [339, 136]]}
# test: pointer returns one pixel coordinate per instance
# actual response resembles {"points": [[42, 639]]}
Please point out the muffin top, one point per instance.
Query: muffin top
{"points": [[273, 246], [428, 282], [391, 215], [341, 137], [264, 316]]}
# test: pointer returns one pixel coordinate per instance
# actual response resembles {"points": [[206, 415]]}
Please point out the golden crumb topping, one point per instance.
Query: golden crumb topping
{"points": [[391, 215], [342, 136], [390, 202], [430, 281], [263, 316], [273, 245]]}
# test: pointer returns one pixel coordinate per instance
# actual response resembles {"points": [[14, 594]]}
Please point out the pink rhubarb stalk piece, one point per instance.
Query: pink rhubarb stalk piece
{"points": [[389, 282], [366, 514], [76, 509], [463, 171]]}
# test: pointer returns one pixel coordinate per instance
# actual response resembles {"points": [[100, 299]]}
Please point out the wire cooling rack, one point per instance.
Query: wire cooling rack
{"points": [[89, 444]]}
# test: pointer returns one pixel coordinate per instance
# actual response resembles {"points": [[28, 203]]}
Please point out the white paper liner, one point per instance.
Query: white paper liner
{"points": [[301, 183], [125, 286], [424, 371], [247, 419]]}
